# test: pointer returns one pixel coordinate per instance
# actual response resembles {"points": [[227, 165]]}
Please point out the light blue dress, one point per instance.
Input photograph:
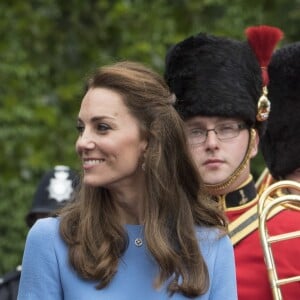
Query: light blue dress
{"points": [[47, 275]]}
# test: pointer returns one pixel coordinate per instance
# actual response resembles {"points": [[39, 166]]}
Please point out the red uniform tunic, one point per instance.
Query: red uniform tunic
{"points": [[252, 276]]}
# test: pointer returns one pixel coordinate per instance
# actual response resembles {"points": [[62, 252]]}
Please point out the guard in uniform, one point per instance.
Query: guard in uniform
{"points": [[281, 150], [220, 86], [281, 144], [54, 190]]}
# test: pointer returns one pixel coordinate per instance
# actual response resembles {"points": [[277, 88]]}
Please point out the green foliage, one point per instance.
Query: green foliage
{"points": [[48, 47]]}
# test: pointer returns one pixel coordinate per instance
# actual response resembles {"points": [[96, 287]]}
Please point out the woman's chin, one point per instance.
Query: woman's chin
{"points": [[91, 182]]}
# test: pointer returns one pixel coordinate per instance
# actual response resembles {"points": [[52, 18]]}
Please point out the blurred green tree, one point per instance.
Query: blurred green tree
{"points": [[48, 47]]}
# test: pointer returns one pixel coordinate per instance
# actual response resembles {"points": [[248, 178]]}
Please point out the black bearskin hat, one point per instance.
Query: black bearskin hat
{"points": [[214, 76], [55, 188], [281, 143]]}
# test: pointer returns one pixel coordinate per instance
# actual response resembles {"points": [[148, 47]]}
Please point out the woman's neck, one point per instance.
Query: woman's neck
{"points": [[129, 205]]}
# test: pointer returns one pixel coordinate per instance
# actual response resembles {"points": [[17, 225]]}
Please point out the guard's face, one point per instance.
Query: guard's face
{"points": [[217, 159], [109, 142], [295, 176]]}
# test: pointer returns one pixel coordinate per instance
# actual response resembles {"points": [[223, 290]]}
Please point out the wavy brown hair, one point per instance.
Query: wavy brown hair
{"points": [[173, 201]]}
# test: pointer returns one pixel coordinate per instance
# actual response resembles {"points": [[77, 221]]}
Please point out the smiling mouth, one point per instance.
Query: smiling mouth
{"points": [[92, 162]]}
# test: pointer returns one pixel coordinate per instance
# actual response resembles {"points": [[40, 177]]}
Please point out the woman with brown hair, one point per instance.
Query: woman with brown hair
{"points": [[139, 227]]}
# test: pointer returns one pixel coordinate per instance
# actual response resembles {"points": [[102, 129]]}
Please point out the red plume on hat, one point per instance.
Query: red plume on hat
{"points": [[263, 39]]}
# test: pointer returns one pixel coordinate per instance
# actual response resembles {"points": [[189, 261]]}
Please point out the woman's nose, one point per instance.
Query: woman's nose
{"points": [[85, 141]]}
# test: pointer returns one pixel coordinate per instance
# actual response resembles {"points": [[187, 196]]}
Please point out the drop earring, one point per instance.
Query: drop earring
{"points": [[143, 166], [144, 162]]}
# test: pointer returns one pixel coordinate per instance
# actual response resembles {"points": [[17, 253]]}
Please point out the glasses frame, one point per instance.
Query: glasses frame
{"points": [[240, 127]]}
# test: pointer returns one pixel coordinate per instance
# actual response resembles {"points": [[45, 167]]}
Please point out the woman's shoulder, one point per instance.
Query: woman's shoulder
{"points": [[213, 240], [211, 234], [45, 227], [48, 222]]}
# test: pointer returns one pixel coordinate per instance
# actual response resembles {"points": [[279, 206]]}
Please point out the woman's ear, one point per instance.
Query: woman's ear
{"points": [[144, 145], [143, 156]]}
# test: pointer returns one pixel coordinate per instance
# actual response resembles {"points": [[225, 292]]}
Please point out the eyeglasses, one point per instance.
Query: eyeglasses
{"points": [[223, 132]]}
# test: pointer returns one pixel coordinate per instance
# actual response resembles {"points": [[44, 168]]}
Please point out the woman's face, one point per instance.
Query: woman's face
{"points": [[109, 144]]}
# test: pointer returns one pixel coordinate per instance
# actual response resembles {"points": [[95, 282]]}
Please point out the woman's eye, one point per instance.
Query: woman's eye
{"points": [[79, 128], [103, 127]]}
